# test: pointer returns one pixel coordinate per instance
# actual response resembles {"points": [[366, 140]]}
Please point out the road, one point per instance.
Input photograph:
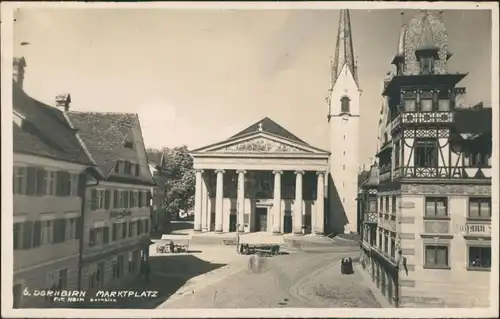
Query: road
{"points": [[306, 278]]}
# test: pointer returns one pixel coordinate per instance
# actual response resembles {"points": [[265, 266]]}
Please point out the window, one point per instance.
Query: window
{"points": [[443, 105], [62, 276], [426, 105], [117, 167], [479, 257], [116, 268], [129, 144], [50, 179], [393, 245], [63, 187], [105, 235], [71, 228], [436, 207], [132, 261], [141, 200], [139, 227], [128, 168], [137, 169], [397, 153], [425, 153], [436, 256], [17, 233], [380, 239], [114, 233], [73, 181], [386, 243], [47, 232], [31, 181], [28, 234], [426, 65], [373, 206], [480, 208], [344, 104], [59, 235], [96, 236], [381, 204], [477, 159], [409, 105], [19, 180], [131, 229], [124, 230], [394, 204], [386, 205], [116, 200]]}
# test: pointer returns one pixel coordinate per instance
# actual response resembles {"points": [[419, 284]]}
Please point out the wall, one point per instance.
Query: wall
{"points": [[344, 158], [456, 286]]}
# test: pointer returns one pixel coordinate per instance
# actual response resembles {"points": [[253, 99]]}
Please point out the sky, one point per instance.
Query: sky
{"points": [[196, 77]]}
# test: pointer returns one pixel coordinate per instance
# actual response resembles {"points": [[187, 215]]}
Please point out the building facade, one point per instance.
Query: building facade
{"points": [[49, 171], [261, 179], [433, 232], [116, 227], [266, 179]]}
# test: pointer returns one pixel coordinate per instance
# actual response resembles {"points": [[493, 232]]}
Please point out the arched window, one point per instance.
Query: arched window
{"points": [[345, 104]]}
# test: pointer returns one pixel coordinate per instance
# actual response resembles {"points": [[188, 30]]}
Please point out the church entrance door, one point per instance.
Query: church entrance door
{"points": [[232, 223], [261, 220], [287, 223]]}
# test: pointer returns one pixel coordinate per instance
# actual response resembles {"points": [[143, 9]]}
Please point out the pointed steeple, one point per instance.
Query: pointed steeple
{"points": [[344, 51]]}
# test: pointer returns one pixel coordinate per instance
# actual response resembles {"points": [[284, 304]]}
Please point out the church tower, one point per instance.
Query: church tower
{"points": [[343, 119]]}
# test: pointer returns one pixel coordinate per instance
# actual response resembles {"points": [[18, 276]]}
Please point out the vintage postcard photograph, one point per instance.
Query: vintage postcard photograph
{"points": [[238, 159]]}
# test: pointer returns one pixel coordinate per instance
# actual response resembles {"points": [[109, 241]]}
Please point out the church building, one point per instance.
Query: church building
{"points": [[267, 179]]}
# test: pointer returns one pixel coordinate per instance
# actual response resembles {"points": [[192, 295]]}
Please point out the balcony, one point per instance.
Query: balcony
{"points": [[421, 118]]}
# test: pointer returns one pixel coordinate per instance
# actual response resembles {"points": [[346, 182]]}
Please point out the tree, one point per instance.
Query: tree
{"points": [[177, 168]]}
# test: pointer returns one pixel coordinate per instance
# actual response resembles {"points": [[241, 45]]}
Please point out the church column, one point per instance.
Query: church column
{"points": [[277, 202], [218, 200], [204, 205], [319, 228], [297, 218], [241, 200], [198, 199]]}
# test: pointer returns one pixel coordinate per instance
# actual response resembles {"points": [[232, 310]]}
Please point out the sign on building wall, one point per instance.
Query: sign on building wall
{"points": [[476, 229]]}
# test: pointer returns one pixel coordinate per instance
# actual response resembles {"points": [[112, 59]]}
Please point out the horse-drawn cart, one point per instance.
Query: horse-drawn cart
{"points": [[262, 250], [173, 244]]}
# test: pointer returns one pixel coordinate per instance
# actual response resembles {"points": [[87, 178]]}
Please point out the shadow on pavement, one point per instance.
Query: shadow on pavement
{"points": [[168, 274]]}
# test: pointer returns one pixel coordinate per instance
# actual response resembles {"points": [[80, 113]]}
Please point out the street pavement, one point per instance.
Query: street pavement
{"points": [[308, 276]]}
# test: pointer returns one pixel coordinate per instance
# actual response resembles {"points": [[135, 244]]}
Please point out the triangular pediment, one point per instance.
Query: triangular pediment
{"points": [[260, 142]]}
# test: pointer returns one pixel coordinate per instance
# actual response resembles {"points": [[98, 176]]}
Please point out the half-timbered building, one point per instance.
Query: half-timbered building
{"points": [[433, 238]]}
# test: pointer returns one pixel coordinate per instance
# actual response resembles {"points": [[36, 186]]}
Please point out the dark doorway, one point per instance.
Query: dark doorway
{"points": [[232, 223], [261, 220], [287, 223]]}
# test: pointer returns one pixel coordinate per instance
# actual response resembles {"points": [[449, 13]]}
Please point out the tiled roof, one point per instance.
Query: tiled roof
{"points": [[269, 126], [473, 120], [45, 131], [104, 136]]}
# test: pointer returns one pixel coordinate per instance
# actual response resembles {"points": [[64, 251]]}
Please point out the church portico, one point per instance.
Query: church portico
{"points": [[260, 181]]}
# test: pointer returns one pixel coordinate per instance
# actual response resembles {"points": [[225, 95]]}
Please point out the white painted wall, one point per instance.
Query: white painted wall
{"points": [[344, 159]]}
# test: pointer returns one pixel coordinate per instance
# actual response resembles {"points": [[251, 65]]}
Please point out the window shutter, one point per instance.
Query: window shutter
{"points": [[37, 233], [114, 235], [79, 227], [124, 230], [130, 229], [140, 199], [55, 232], [82, 181], [105, 235], [41, 182], [27, 235], [31, 181], [115, 199], [107, 198], [139, 223], [148, 198], [137, 169], [66, 176], [93, 199], [91, 237]]}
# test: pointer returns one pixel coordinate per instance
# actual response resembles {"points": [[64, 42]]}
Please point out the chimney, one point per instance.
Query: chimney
{"points": [[63, 101], [18, 71]]}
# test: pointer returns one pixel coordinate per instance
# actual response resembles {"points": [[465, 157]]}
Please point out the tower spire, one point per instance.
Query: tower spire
{"points": [[344, 51]]}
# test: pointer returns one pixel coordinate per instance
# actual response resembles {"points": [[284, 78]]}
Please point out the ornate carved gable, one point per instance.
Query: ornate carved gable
{"points": [[262, 145]]}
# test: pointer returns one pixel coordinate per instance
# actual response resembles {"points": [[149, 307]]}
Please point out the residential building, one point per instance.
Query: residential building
{"points": [[432, 246], [159, 218], [48, 186], [265, 178], [115, 235]]}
